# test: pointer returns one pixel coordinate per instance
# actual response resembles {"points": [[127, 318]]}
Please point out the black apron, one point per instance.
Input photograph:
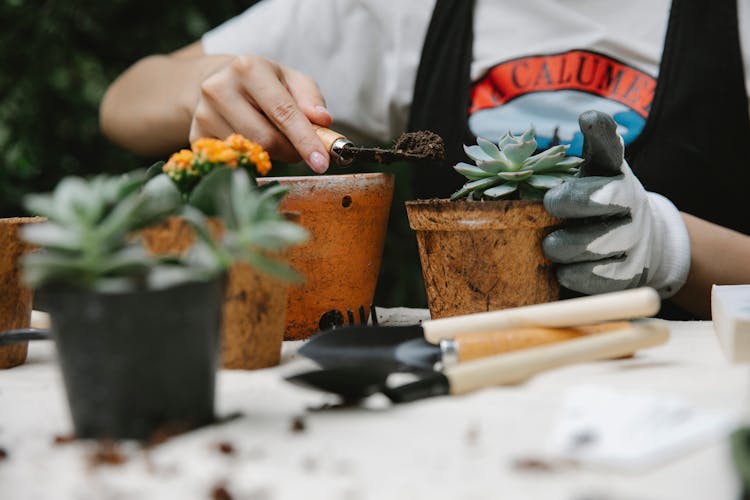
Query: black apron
{"points": [[692, 147]]}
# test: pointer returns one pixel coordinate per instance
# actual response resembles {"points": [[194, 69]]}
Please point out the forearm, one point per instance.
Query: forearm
{"points": [[149, 108], [718, 255]]}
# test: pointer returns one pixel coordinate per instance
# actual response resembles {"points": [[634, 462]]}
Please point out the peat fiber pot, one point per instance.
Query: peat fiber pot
{"points": [[15, 298], [347, 217], [483, 255], [254, 314], [138, 364]]}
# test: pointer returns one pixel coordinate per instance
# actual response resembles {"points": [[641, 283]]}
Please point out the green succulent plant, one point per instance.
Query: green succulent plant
{"points": [[85, 242], [512, 168], [254, 229], [89, 242]]}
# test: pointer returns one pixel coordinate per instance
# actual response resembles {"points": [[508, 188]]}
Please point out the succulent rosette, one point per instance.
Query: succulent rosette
{"points": [[512, 168]]}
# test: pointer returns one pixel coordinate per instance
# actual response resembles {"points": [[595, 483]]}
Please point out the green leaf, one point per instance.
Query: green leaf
{"points": [[516, 176], [42, 205], [489, 149], [276, 235], [529, 193], [161, 198], [52, 235], [529, 135], [544, 181], [495, 166], [274, 268], [155, 169], [506, 138], [66, 199], [519, 152], [46, 267], [214, 186], [500, 191], [475, 185], [471, 172], [120, 221], [547, 163], [131, 260], [476, 153]]}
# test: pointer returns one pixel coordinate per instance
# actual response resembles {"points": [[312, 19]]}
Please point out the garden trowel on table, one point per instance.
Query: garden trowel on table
{"points": [[354, 382], [413, 146], [449, 341]]}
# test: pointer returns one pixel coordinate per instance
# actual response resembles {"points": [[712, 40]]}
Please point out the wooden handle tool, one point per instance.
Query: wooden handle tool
{"points": [[479, 345], [629, 304], [518, 366]]}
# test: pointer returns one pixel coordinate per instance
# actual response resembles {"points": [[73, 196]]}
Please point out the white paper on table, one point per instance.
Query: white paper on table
{"points": [[604, 427]]}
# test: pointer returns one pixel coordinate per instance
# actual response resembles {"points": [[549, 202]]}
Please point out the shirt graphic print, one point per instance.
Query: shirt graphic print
{"points": [[548, 92]]}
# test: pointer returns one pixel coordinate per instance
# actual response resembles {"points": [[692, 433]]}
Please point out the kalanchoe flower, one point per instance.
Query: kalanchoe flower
{"points": [[512, 167], [187, 167]]}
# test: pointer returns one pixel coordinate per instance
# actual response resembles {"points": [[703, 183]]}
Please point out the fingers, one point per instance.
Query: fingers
{"points": [[227, 101], [603, 149], [575, 243], [306, 92], [587, 197], [262, 82], [598, 277], [267, 103], [207, 122]]}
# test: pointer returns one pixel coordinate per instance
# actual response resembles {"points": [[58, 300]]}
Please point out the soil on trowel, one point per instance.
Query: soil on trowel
{"points": [[423, 143]]}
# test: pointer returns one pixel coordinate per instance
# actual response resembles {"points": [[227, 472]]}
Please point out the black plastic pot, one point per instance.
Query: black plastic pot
{"points": [[141, 363]]}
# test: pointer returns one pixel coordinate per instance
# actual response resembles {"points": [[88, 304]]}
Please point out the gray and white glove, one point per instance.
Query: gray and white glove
{"points": [[617, 235]]}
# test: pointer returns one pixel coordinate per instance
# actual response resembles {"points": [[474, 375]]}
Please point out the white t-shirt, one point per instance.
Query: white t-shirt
{"points": [[536, 62]]}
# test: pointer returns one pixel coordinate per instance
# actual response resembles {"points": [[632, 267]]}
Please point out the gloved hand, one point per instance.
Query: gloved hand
{"points": [[617, 235]]}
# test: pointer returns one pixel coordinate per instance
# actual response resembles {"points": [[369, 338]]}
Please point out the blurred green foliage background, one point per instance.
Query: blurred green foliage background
{"points": [[57, 59]]}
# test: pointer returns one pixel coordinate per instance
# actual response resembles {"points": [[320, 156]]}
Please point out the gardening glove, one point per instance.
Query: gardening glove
{"points": [[617, 235]]}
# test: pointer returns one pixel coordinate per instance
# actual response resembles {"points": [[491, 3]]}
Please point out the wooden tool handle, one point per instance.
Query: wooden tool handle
{"points": [[629, 304], [327, 136], [479, 345], [517, 366], [39, 319]]}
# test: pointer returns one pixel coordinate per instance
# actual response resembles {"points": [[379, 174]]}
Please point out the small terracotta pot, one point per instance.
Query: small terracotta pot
{"points": [[347, 216], [483, 255], [254, 311], [15, 298]]}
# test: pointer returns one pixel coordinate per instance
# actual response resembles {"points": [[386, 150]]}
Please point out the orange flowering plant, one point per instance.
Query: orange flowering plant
{"points": [[188, 167]]}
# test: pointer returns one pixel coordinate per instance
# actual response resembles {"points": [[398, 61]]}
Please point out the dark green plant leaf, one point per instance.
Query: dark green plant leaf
{"points": [[211, 190], [500, 191]]}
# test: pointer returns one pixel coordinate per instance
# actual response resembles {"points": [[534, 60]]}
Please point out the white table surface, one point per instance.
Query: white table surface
{"points": [[441, 448]]}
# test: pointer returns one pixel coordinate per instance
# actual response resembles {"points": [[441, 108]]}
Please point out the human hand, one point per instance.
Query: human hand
{"points": [[272, 104], [617, 235]]}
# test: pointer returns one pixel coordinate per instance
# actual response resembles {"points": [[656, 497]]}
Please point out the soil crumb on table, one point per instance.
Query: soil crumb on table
{"points": [[225, 448], [107, 453], [220, 492], [422, 143], [3, 454], [298, 425]]}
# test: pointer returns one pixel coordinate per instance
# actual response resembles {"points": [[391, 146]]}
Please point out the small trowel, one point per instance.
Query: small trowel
{"points": [[420, 146], [405, 347], [356, 381], [479, 334]]}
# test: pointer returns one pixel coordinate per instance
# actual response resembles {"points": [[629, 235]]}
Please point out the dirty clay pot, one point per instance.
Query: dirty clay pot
{"points": [[483, 255], [347, 217], [15, 298], [139, 363], [254, 314]]}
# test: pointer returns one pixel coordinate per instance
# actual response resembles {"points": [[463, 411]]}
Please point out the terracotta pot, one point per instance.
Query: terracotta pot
{"points": [[483, 255], [347, 216], [15, 298], [254, 310]]}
